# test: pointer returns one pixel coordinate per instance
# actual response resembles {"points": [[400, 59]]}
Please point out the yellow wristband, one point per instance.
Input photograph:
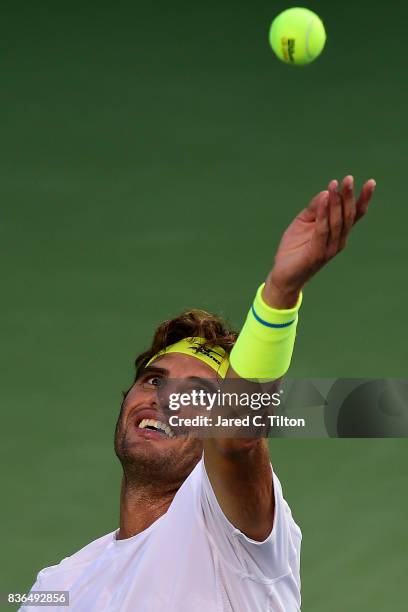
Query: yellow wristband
{"points": [[265, 345]]}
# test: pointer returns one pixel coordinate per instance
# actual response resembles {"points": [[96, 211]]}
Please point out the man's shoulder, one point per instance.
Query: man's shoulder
{"points": [[82, 557]]}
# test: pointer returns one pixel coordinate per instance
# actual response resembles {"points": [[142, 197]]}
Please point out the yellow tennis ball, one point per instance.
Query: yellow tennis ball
{"points": [[297, 36]]}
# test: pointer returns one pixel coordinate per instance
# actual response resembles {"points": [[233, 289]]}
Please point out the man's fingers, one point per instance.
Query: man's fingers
{"points": [[349, 209], [321, 233], [364, 199], [335, 218], [335, 211], [349, 203], [309, 213]]}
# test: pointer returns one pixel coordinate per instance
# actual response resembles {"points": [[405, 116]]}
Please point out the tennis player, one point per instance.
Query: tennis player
{"points": [[203, 524]]}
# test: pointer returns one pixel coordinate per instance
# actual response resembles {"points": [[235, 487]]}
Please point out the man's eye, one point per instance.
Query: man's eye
{"points": [[152, 381]]}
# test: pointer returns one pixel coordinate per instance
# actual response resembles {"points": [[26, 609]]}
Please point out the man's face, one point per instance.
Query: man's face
{"points": [[151, 454]]}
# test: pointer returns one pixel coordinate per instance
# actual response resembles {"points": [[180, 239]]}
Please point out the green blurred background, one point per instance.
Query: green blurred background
{"points": [[151, 156]]}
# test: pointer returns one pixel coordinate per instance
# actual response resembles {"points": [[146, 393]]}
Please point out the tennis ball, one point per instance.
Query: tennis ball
{"points": [[297, 36]]}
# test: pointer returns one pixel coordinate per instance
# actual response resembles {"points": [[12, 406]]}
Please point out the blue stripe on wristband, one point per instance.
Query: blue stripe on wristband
{"points": [[258, 318]]}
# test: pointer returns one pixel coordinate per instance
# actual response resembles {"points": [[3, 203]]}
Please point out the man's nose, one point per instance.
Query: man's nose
{"points": [[152, 399]]}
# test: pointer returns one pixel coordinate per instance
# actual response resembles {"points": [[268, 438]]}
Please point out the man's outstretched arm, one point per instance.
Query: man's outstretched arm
{"points": [[239, 469]]}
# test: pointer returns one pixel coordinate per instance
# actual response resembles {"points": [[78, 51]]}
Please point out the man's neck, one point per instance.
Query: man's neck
{"points": [[141, 507]]}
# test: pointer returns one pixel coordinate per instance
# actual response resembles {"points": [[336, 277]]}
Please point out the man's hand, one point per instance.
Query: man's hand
{"points": [[315, 236]]}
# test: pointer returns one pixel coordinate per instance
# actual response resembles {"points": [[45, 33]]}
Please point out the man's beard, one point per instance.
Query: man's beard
{"points": [[156, 466]]}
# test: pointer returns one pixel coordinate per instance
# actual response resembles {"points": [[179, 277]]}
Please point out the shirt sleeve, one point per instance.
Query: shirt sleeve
{"points": [[276, 556]]}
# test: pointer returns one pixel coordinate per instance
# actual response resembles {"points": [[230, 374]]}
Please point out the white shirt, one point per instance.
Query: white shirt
{"points": [[192, 559]]}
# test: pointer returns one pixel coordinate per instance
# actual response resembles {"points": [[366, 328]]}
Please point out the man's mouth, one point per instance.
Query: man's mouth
{"points": [[156, 426]]}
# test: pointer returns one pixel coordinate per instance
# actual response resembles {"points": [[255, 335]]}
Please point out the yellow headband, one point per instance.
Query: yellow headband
{"points": [[215, 357]]}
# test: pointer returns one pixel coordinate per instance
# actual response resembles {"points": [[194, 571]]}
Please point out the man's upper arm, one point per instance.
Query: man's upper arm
{"points": [[239, 468], [240, 475], [263, 560]]}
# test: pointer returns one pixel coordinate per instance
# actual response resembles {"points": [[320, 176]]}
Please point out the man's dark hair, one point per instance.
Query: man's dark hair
{"points": [[192, 323]]}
